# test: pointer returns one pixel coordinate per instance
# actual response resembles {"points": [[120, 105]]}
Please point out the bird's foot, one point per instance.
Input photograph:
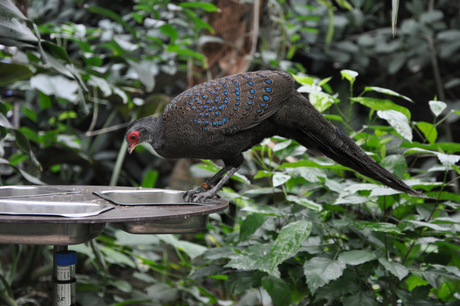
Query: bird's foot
{"points": [[199, 195]]}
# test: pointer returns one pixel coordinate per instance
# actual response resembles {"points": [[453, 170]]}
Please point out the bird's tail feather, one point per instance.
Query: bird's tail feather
{"points": [[347, 153]]}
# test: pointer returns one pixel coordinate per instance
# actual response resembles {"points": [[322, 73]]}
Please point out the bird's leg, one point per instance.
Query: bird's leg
{"points": [[191, 194], [203, 196]]}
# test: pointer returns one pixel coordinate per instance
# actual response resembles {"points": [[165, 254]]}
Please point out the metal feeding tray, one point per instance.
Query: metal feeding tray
{"points": [[168, 214], [148, 197], [31, 191]]}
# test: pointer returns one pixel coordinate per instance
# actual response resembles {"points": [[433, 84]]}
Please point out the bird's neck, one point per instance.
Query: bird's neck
{"points": [[156, 132]]}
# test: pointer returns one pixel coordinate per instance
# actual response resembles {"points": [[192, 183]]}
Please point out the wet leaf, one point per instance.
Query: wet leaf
{"points": [[320, 271]]}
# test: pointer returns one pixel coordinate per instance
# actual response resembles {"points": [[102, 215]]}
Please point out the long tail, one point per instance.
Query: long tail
{"points": [[322, 137]]}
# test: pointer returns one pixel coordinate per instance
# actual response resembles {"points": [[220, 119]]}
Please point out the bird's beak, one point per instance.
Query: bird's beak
{"points": [[131, 148]]}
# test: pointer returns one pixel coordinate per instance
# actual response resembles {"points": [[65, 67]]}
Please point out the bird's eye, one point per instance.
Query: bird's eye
{"points": [[133, 136]]}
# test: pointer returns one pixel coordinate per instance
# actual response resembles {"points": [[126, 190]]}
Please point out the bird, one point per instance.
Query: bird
{"points": [[224, 117]]}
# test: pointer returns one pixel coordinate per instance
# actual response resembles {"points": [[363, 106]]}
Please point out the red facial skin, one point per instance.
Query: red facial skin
{"points": [[133, 139]]}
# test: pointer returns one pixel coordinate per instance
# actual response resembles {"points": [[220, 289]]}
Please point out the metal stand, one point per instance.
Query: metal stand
{"points": [[170, 218]]}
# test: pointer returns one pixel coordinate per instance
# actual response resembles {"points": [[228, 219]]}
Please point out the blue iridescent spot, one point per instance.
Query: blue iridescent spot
{"points": [[237, 93], [226, 93], [268, 81], [208, 101], [225, 85], [237, 98], [214, 123], [205, 128], [248, 108], [227, 79], [198, 122], [249, 78], [268, 89], [338, 131], [258, 74], [205, 106], [258, 111], [231, 114], [206, 122], [193, 107], [219, 107], [216, 88], [245, 76], [224, 120], [217, 113], [252, 91], [213, 107], [216, 100], [196, 99], [189, 103], [221, 82], [237, 103], [220, 122], [234, 81], [199, 107], [227, 131], [251, 83], [226, 101], [235, 109], [203, 96], [266, 98], [244, 114], [201, 114], [250, 103], [251, 97], [206, 114], [263, 105], [237, 88], [173, 106]]}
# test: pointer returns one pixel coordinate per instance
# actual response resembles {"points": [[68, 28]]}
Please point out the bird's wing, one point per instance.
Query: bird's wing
{"points": [[233, 103]]}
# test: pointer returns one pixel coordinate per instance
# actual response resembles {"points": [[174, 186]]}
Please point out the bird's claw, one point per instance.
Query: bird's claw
{"points": [[199, 195]]}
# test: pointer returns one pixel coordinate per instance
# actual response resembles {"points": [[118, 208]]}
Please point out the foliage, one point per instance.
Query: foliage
{"points": [[307, 231]]}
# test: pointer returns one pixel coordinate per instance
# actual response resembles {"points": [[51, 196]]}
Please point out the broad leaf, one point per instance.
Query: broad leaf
{"points": [[278, 290], [394, 268], [360, 298], [437, 107], [428, 130], [254, 258], [382, 105], [350, 75], [251, 224], [320, 271], [397, 120], [386, 91], [289, 241], [377, 226], [356, 257]]}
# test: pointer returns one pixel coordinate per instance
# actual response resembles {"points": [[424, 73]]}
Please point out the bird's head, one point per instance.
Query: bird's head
{"points": [[147, 129]]}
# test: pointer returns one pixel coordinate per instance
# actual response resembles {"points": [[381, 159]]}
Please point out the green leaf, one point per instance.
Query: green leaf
{"points": [[278, 290], [360, 298], [321, 101], [304, 202], [382, 104], [112, 15], [344, 4], [428, 130], [150, 179], [56, 51], [437, 107], [303, 79], [386, 91], [397, 120], [169, 30], [447, 160], [377, 226], [10, 73], [280, 179], [208, 7], [394, 268], [356, 257], [311, 163], [251, 224], [320, 271], [447, 147], [9, 10], [289, 241], [350, 75], [254, 258], [114, 256], [241, 281], [193, 250], [145, 75], [335, 289]]}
